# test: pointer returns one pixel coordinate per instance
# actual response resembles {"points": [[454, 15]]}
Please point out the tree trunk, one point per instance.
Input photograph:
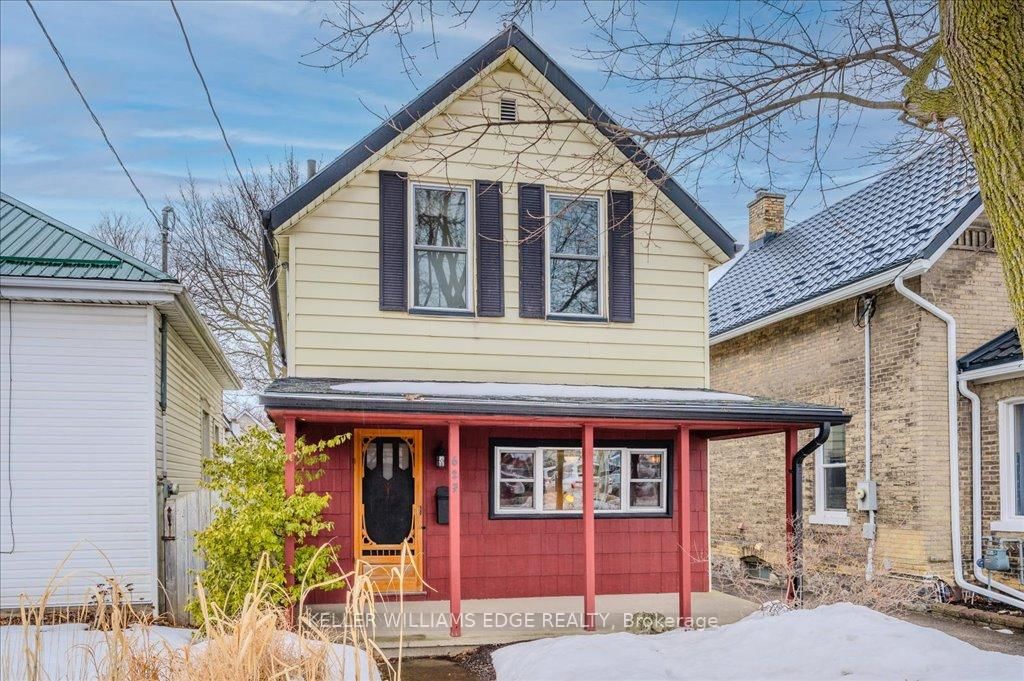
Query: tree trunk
{"points": [[983, 46]]}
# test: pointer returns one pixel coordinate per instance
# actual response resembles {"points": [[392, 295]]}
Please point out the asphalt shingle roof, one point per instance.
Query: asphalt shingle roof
{"points": [[906, 214], [1002, 349], [33, 244]]}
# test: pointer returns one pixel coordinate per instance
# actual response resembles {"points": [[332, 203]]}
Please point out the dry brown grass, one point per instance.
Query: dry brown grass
{"points": [[833, 572], [263, 641]]}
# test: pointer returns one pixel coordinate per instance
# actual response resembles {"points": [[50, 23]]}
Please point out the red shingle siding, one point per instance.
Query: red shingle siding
{"points": [[510, 558]]}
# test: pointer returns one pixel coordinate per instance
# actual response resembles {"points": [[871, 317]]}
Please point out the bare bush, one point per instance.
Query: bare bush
{"points": [[829, 575]]}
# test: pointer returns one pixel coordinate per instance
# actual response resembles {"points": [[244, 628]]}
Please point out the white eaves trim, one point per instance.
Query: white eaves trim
{"points": [[855, 289], [168, 297], [1000, 372]]}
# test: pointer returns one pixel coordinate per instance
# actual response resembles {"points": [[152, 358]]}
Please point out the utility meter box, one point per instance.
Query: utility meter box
{"points": [[867, 495]]}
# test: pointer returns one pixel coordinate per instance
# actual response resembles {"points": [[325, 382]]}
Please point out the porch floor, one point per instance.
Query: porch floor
{"points": [[507, 620]]}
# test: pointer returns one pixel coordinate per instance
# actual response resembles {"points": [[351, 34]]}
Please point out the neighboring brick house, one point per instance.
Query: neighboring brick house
{"points": [[788, 319], [992, 378]]}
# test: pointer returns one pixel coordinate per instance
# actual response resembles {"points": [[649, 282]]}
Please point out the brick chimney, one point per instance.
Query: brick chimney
{"points": [[767, 216]]}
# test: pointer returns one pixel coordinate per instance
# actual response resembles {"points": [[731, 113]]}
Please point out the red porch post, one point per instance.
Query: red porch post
{"points": [[589, 540], [791, 449], [454, 531], [683, 509], [289, 489]]}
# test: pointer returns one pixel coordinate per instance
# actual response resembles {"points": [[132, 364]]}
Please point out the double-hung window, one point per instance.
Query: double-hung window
{"points": [[440, 248], [830, 480], [1011, 466], [548, 480], [575, 256]]}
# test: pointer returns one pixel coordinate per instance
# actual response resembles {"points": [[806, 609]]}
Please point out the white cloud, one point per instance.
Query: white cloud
{"points": [[253, 137], [17, 150]]}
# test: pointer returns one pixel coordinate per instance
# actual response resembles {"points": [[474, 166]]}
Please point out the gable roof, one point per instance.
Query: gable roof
{"points": [[37, 245], [1003, 349], [511, 38], [908, 213]]}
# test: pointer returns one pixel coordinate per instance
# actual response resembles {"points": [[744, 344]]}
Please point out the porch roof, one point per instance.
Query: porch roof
{"points": [[535, 399]]}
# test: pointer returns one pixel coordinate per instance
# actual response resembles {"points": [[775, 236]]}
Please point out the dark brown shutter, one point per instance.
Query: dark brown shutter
{"points": [[531, 251], [393, 240], [490, 266], [620, 256]]}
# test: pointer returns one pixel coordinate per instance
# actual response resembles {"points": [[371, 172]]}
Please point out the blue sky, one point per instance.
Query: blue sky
{"points": [[130, 61]]}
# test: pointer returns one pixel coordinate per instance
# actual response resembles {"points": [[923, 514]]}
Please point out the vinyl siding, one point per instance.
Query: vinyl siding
{"points": [[78, 445], [191, 388], [335, 326]]}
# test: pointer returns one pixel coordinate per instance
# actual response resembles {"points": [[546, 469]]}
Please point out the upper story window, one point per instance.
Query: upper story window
{"points": [[440, 248], [575, 257], [1011, 466], [830, 480]]}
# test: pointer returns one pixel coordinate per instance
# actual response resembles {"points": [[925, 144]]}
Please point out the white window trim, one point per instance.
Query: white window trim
{"points": [[538, 483], [411, 247], [1008, 521], [822, 515], [602, 267]]}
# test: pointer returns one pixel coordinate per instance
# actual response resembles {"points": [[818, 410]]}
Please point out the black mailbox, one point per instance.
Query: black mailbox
{"points": [[441, 497]]}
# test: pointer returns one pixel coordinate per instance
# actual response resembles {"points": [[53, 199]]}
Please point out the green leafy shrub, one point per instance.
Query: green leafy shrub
{"points": [[253, 518]]}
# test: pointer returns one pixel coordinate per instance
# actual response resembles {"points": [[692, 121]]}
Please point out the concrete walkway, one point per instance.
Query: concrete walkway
{"points": [[423, 626]]}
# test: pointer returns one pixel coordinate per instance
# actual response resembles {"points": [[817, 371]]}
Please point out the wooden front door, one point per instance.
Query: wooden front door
{"points": [[389, 508]]}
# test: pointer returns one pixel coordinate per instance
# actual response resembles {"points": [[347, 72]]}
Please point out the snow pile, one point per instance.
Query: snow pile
{"points": [[73, 651], [532, 390], [831, 643]]}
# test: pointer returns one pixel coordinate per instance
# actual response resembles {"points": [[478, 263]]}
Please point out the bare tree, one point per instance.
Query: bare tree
{"points": [[942, 68], [218, 255], [138, 238]]}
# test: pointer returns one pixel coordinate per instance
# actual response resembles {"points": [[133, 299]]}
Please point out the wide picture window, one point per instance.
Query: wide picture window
{"points": [[440, 249], [549, 480], [574, 256]]}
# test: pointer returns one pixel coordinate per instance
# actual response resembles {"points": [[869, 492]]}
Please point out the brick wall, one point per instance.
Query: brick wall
{"points": [[819, 357], [507, 558]]}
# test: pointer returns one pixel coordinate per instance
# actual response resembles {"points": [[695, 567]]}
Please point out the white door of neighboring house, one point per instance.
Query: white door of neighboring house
{"points": [[77, 438]]}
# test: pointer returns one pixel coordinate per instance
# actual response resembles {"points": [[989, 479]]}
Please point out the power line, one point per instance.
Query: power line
{"points": [[213, 109], [88, 108], [271, 275]]}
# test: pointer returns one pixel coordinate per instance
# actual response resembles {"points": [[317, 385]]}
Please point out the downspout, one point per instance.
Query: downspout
{"points": [[163, 397], [954, 445], [797, 504], [976, 492]]}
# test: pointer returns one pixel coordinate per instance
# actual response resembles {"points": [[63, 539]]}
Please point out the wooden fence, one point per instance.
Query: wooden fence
{"points": [[183, 516]]}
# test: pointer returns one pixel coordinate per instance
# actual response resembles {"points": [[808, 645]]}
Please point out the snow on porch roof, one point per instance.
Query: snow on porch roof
{"points": [[535, 399]]}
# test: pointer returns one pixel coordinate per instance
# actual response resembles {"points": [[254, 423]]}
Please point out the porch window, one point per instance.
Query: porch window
{"points": [[1011, 466], [548, 480], [830, 480], [575, 254], [440, 248]]}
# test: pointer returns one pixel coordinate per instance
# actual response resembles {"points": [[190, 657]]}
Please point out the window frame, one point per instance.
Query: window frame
{"points": [[665, 447], [822, 514], [1009, 520], [602, 258], [470, 308]]}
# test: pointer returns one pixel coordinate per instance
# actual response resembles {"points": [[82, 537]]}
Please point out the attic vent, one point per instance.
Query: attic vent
{"points": [[976, 239], [508, 109]]}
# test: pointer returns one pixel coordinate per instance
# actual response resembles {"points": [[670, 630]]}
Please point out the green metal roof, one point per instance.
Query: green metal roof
{"points": [[33, 244]]}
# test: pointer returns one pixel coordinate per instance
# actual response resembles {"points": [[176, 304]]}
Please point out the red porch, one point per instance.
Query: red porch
{"points": [[630, 546]]}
